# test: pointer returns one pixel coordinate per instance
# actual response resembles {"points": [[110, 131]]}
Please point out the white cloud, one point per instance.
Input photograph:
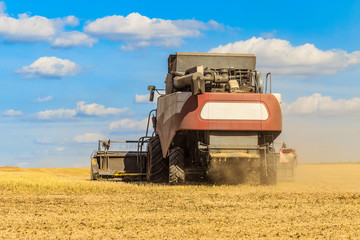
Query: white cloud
{"points": [[26, 29], [60, 149], [280, 57], [50, 67], [95, 109], [139, 31], [145, 98], [142, 98], [82, 109], [88, 138], [323, 105], [12, 113], [56, 114], [72, 39], [44, 99], [30, 29], [128, 124], [69, 20]]}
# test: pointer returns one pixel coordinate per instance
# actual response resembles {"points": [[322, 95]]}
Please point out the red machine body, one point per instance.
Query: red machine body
{"points": [[263, 114]]}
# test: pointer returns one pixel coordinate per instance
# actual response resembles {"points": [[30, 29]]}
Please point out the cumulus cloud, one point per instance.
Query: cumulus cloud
{"points": [[29, 29], [95, 109], [26, 29], [138, 31], [44, 99], [56, 114], [145, 98], [88, 138], [282, 58], [82, 109], [142, 98], [32, 29], [128, 124], [134, 30], [323, 105], [72, 39], [49, 67], [12, 113]]}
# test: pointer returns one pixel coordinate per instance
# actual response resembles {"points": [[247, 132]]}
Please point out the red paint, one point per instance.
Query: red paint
{"points": [[189, 118]]}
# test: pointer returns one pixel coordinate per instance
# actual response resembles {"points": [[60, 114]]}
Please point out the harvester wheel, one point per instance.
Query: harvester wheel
{"points": [[157, 167], [176, 166], [269, 178], [94, 170], [92, 175]]}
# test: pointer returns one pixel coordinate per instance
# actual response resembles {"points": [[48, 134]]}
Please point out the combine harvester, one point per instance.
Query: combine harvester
{"points": [[287, 162], [216, 121]]}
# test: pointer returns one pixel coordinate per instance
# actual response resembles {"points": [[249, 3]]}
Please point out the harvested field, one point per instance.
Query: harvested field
{"points": [[323, 202]]}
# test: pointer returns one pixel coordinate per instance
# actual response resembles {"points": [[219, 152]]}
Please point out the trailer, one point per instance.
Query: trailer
{"points": [[126, 163]]}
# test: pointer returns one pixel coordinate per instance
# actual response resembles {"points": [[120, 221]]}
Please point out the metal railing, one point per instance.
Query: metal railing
{"points": [[267, 75]]}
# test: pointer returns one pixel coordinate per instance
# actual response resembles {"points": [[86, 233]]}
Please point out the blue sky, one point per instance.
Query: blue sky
{"points": [[75, 71]]}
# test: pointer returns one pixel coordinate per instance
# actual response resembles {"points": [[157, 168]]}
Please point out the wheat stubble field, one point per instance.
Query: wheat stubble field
{"points": [[323, 203]]}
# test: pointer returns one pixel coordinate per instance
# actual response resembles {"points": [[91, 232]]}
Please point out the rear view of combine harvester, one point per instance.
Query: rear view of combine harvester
{"points": [[215, 121]]}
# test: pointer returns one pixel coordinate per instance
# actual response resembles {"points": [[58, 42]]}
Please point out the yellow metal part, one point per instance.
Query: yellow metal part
{"points": [[128, 174], [235, 155], [121, 173]]}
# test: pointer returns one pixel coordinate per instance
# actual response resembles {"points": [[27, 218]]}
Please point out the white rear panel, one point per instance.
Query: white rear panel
{"points": [[234, 111]]}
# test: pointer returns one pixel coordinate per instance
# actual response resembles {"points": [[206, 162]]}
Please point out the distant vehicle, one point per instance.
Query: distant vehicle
{"points": [[287, 162]]}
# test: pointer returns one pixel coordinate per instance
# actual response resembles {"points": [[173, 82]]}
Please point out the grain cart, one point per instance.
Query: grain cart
{"points": [[215, 121]]}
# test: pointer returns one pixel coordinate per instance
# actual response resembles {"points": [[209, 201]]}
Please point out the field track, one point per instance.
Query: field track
{"points": [[323, 202]]}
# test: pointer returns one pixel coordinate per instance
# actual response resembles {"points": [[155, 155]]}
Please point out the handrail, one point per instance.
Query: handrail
{"points": [[148, 122], [139, 152], [114, 141], [143, 140], [268, 74]]}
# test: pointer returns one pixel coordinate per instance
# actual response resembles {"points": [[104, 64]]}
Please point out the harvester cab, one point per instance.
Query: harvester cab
{"points": [[216, 121]]}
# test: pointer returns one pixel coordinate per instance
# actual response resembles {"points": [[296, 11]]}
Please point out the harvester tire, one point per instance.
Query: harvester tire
{"points": [[176, 166], [269, 177], [157, 167], [94, 170], [92, 175]]}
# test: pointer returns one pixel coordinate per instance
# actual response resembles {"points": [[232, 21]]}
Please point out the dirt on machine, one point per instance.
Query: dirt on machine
{"points": [[216, 121]]}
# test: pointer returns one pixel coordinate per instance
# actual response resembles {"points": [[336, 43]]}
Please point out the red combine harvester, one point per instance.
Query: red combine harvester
{"points": [[287, 163], [215, 122]]}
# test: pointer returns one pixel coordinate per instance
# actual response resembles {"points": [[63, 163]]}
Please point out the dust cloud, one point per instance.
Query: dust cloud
{"points": [[322, 140], [232, 172]]}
